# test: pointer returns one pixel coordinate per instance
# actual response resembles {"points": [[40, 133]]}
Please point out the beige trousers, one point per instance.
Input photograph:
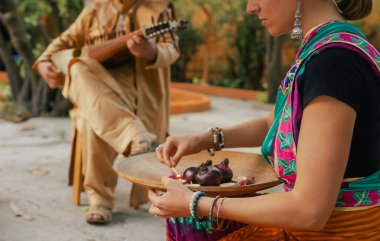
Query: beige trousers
{"points": [[106, 101]]}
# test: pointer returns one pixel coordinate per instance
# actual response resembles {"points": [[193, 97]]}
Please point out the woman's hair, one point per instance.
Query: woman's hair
{"points": [[354, 9]]}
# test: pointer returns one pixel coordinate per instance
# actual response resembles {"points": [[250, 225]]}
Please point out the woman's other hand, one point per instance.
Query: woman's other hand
{"points": [[174, 148], [174, 203], [51, 74]]}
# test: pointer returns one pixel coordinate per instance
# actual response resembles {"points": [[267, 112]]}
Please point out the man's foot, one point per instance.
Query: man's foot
{"points": [[146, 142], [99, 214]]}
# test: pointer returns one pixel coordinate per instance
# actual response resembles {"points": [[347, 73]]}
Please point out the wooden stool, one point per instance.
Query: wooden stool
{"points": [[75, 171]]}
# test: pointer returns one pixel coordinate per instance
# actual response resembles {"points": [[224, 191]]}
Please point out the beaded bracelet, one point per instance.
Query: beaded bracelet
{"points": [[218, 140], [193, 205], [210, 217], [211, 151]]}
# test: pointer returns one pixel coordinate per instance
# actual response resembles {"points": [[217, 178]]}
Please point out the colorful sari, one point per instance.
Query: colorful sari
{"points": [[356, 225], [280, 146], [361, 196]]}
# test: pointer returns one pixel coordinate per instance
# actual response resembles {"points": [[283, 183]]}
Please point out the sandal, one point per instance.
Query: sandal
{"points": [[99, 214]]}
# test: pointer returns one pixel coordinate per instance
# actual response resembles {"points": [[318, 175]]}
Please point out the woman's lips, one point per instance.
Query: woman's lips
{"points": [[264, 22]]}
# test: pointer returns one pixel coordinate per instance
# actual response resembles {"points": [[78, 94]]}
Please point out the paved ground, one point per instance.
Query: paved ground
{"points": [[34, 159]]}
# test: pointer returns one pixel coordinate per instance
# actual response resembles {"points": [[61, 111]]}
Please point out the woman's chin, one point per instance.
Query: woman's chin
{"points": [[275, 33]]}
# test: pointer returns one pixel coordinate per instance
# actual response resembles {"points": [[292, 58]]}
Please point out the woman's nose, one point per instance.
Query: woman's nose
{"points": [[252, 7]]}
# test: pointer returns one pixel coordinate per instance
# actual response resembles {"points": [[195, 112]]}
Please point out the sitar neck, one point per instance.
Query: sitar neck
{"points": [[115, 51], [106, 50]]}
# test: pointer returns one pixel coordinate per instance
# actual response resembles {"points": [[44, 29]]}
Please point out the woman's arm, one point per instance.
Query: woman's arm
{"points": [[323, 149], [248, 134]]}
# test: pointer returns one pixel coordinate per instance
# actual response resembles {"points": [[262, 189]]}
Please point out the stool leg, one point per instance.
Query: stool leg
{"points": [[77, 177]]}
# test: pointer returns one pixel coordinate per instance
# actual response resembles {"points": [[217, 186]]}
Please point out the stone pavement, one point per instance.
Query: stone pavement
{"points": [[34, 160]]}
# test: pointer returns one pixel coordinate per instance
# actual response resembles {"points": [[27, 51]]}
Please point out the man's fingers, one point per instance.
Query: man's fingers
{"points": [[53, 86], [55, 69], [133, 41], [58, 74], [138, 33], [54, 80], [137, 39], [54, 76], [53, 83]]}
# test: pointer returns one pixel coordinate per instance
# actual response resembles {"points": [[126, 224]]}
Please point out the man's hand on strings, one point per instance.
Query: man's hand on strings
{"points": [[141, 47]]}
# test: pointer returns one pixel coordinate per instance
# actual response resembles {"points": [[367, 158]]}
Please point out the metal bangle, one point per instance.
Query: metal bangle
{"points": [[210, 217], [217, 211]]}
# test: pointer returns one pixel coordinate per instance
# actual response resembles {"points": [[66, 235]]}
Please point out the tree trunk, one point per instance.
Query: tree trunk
{"points": [[15, 79], [29, 90], [14, 26], [274, 64], [45, 35]]}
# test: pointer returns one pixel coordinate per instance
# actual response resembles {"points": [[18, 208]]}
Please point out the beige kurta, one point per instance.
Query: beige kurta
{"points": [[117, 103]]}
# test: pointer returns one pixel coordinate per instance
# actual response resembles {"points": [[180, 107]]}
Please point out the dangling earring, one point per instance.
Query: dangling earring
{"points": [[297, 32]]}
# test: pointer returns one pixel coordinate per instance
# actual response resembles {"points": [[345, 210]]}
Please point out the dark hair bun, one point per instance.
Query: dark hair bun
{"points": [[355, 9]]}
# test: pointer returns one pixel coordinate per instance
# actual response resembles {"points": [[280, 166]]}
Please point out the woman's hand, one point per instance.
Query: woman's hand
{"points": [[142, 48], [174, 203], [176, 147], [51, 74]]}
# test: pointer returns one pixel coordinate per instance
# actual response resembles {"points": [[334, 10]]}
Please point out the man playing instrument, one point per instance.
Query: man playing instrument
{"points": [[122, 105]]}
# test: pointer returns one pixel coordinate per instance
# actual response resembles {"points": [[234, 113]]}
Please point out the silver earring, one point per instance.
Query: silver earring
{"points": [[297, 32]]}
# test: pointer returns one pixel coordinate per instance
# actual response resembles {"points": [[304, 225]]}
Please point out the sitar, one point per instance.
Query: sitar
{"points": [[115, 50]]}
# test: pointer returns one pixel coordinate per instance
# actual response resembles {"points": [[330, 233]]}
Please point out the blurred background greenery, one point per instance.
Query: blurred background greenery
{"points": [[223, 46]]}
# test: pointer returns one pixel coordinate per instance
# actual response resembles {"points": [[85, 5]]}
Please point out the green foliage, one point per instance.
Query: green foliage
{"points": [[10, 110], [246, 66], [231, 83], [69, 10], [5, 93], [263, 97], [197, 81], [32, 12], [189, 40], [245, 36]]}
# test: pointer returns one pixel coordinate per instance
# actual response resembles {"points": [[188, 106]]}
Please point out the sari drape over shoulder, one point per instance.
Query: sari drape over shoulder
{"points": [[280, 145]]}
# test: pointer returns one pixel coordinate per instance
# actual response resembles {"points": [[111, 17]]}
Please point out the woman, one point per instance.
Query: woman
{"points": [[322, 139]]}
